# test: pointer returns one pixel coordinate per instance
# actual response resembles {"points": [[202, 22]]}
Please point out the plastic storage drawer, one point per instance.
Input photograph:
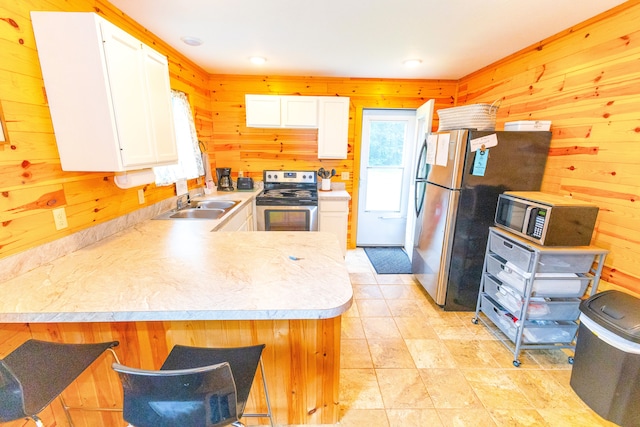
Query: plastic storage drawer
{"points": [[548, 262], [534, 331], [539, 308], [564, 285]]}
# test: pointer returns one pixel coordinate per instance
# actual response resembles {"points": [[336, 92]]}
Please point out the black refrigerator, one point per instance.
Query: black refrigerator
{"points": [[459, 175]]}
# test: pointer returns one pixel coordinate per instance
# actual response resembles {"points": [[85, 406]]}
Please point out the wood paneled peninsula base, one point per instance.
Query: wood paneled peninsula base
{"points": [[165, 283]]}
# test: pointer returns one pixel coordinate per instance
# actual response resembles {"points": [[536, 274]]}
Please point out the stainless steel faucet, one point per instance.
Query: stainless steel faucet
{"points": [[180, 204]]}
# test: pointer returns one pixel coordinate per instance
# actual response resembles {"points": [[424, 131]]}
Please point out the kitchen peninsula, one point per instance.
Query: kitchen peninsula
{"points": [[162, 283]]}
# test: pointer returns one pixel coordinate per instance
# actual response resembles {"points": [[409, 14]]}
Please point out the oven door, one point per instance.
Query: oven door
{"points": [[287, 218]]}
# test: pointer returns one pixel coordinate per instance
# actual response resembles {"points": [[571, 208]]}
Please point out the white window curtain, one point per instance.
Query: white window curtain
{"points": [[189, 156]]}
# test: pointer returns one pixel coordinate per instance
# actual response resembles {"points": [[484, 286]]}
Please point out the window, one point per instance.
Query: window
{"points": [[189, 155]]}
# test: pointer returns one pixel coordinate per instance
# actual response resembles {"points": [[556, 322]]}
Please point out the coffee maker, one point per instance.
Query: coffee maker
{"points": [[224, 179]]}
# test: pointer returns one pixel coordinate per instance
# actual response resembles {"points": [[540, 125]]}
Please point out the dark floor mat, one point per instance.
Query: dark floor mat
{"points": [[389, 260]]}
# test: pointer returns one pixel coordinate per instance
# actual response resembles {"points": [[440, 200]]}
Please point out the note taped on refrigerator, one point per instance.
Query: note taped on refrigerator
{"points": [[480, 162], [442, 152], [483, 142], [432, 146]]}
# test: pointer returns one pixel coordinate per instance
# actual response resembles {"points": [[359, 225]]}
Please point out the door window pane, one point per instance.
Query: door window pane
{"points": [[386, 143]]}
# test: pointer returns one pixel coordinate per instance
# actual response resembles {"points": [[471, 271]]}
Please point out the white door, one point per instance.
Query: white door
{"points": [[388, 139], [424, 118]]}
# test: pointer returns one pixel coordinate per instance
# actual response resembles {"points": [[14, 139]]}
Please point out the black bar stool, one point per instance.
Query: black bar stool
{"points": [[196, 397], [243, 362], [36, 372]]}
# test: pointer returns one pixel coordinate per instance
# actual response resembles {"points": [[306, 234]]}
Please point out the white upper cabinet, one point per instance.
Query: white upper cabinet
{"points": [[264, 111], [299, 111], [333, 127], [108, 93], [329, 114]]}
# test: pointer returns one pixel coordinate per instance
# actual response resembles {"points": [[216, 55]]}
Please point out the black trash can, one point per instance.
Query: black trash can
{"points": [[606, 369]]}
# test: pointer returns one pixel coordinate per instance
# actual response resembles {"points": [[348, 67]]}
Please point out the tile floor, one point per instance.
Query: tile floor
{"points": [[405, 362]]}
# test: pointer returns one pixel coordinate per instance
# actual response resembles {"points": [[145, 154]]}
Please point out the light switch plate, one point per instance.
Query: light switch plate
{"points": [[141, 196], [181, 187], [345, 176]]}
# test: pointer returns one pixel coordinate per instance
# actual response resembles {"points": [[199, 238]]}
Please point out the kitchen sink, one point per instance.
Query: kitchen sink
{"points": [[198, 214], [215, 204], [204, 209]]}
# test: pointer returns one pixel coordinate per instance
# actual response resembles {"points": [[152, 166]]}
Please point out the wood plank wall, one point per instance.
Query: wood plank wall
{"points": [[31, 180], [253, 150], [586, 81]]}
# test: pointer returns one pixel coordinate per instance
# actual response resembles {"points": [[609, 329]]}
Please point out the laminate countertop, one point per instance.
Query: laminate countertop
{"points": [[181, 270]]}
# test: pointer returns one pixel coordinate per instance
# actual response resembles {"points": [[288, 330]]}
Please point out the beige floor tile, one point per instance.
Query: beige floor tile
{"points": [[362, 278], [373, 308], [430, 353], [465, 418], [465, 371], [469, 354], [405, 308], [543, 391], [390, 354], [389, 279], [359, 389], [400, 292], [573, 418], [403, 389], [553, 359], [415, 328], [352, 328], [354, 354], [448, 388], [496, 389], [367, 292], [413, 418], [517, 418], [504, 356], [381, 328], [350, 417]]}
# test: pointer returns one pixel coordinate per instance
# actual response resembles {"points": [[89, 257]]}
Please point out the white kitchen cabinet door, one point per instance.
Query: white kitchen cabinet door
{"points": [[159, 100], [299, 111], [109, 113], [262, 111], [333, 217], [333, 127]]}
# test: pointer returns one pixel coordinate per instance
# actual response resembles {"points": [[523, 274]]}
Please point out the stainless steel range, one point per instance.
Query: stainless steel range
{"points": [[289, 201]]}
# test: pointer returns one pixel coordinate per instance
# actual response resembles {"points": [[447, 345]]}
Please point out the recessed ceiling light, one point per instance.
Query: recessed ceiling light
{"points": [[258, 60], [412, 63], [191, 41]]}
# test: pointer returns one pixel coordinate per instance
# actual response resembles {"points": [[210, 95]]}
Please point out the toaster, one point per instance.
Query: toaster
{"points": [[245, 183]]}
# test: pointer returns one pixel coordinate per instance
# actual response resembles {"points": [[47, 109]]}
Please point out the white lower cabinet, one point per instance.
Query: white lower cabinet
{"points": [[333, 217], [242, 220], [109, 94]]}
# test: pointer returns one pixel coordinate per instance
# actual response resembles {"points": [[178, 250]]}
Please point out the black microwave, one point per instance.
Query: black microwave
{"points": [[546, 219]]}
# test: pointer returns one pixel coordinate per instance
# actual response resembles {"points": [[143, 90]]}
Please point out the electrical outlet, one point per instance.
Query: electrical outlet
{"points": [[345, 176], [141, 196], [60, 218]]}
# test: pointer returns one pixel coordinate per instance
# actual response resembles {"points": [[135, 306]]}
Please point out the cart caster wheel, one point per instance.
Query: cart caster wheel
{"points": [[570, 360], [516, 363], [474, 320]]}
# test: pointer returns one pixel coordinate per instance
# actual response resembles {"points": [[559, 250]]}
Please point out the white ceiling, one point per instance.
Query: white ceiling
{"points": [[357, 38]]}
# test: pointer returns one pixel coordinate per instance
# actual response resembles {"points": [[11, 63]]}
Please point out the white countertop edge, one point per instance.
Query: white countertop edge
{"points": [[167, 316]]}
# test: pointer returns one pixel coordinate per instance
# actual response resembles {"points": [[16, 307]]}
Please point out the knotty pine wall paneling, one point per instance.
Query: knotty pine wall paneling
{"points": [[253, 150], [32, 183], [586, 80]]}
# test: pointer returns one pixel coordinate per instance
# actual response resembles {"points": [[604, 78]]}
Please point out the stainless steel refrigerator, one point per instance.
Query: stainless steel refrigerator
{"points": [[456, 192]]}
